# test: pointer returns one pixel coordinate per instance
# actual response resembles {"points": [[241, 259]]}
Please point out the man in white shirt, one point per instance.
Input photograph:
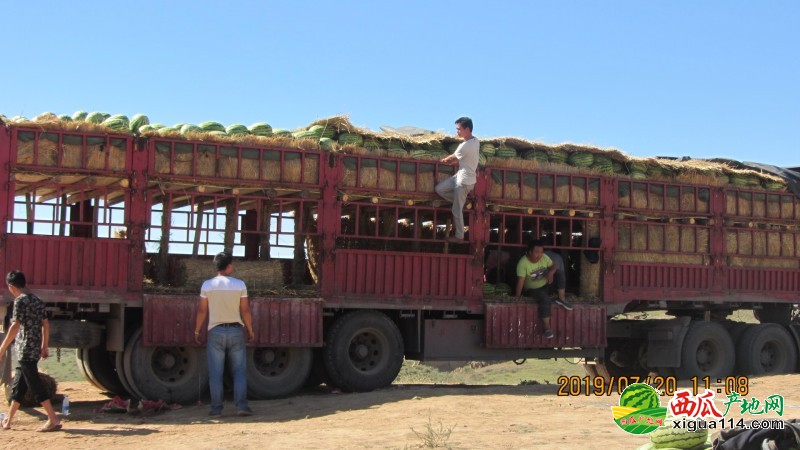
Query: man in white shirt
{"points": [[456, 188], [223, 299]]}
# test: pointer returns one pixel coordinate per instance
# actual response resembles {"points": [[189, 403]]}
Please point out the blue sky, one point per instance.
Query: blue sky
{"points": [[696, 78]]}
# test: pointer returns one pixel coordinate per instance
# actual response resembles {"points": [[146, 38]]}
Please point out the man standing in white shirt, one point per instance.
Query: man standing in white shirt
{"points": [[223, 300], [456, 188]]}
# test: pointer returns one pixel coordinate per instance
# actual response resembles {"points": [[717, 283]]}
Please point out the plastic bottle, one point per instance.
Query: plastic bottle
{"points": [[65, 406]]}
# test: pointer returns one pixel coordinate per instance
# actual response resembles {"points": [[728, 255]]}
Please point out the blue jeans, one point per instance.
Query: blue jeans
{"points": [[228, 341]]}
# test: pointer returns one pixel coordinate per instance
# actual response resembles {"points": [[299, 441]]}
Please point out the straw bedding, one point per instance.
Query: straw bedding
{"points": [[589, 286], [255, 274]]}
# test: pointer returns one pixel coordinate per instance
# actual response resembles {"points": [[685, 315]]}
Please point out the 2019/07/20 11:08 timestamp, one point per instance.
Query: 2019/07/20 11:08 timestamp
{"points": [[599, 386]]}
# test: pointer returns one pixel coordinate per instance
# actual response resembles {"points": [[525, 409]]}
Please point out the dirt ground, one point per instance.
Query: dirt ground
{"points": [[527, 416]]}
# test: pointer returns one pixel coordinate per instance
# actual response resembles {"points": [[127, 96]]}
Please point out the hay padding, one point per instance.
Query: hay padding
{"points": [[589, 287], [255, 274]]}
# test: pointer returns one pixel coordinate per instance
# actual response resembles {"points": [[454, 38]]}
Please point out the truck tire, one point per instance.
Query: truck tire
{"points": [[99, 363], [75, 334], [82, 369], [276, 372], [707, 351], [174, 374], [363, 352], [766, 349]]}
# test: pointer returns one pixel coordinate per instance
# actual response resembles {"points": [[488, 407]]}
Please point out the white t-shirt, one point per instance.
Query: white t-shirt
{"points": [[223, 294], [467, 154]]}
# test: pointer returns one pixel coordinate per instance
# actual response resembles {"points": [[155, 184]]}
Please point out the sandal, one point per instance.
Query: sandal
{"points": [[48, 427]]}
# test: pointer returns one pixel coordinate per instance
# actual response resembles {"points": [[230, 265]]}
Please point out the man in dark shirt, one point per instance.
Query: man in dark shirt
{"points": [[31, 329]]}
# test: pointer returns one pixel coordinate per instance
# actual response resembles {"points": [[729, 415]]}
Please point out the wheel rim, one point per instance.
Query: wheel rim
{"points": [[770, 356], [367, 351], [271, 362], [707, 356], [170, 364]]}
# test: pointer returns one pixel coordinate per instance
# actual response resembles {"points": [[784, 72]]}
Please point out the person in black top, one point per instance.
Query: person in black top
{"points": [[31, 329]]}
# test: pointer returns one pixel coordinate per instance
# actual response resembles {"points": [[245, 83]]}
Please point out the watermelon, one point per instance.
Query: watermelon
{"points": [[502, 288], [581, 159], [372, 145], [19, 119], [326, 143], [636, 175], [138, 121], [212, 126], [669, 437], [453, 147], [558, 156], [640, 396], [79, 115], [168, 130], [488, 148], [95, 117], [281, 132], [105, 115], [536, 155], [179, 125], [190, 128], [157, 126], [260, 129], [65, 117], [638, 166], [237, 129], [117, 122], [217, 133], [351, 138], [488, 288], [323, 131], [145, 129]]}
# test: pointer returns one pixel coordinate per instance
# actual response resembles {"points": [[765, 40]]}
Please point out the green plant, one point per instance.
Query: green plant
{"points": [[434, 436]]}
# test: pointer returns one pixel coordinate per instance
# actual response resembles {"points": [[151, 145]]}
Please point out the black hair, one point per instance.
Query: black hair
{"points": [[533, 244], [16, 278], [222, 261], [465, 122]]}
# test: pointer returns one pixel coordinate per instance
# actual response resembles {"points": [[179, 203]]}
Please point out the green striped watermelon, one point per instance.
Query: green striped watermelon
{"points": [[118, 122], [260, 129], [669, 437], [95, 117], [639, 395], [138, 121], [211, 126], [237, 129], [79, 115]]}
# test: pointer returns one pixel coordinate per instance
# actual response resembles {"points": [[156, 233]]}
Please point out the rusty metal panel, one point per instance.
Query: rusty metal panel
{"points": [[763, 280], [170, 320], [64, 263], [654, 276], [365, 272], [517, 325]]}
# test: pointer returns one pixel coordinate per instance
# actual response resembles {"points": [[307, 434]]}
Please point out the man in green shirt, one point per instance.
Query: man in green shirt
{"points": [[535, 271]]}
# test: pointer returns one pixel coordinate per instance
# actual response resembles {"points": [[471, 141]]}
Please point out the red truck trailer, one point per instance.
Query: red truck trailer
{"points": [[349, 272]]}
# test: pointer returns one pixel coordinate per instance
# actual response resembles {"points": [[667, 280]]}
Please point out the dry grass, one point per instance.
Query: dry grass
{"points": [[691, 171], [257, 275]]}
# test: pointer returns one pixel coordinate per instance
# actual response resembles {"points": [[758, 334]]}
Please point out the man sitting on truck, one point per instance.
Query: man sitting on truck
{"points": [[456, 188], [535, 271]]}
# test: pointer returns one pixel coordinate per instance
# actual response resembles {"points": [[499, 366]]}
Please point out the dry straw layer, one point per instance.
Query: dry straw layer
{"points": [[255, 274], [100, 153], [691, 171], [589, 286]]}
